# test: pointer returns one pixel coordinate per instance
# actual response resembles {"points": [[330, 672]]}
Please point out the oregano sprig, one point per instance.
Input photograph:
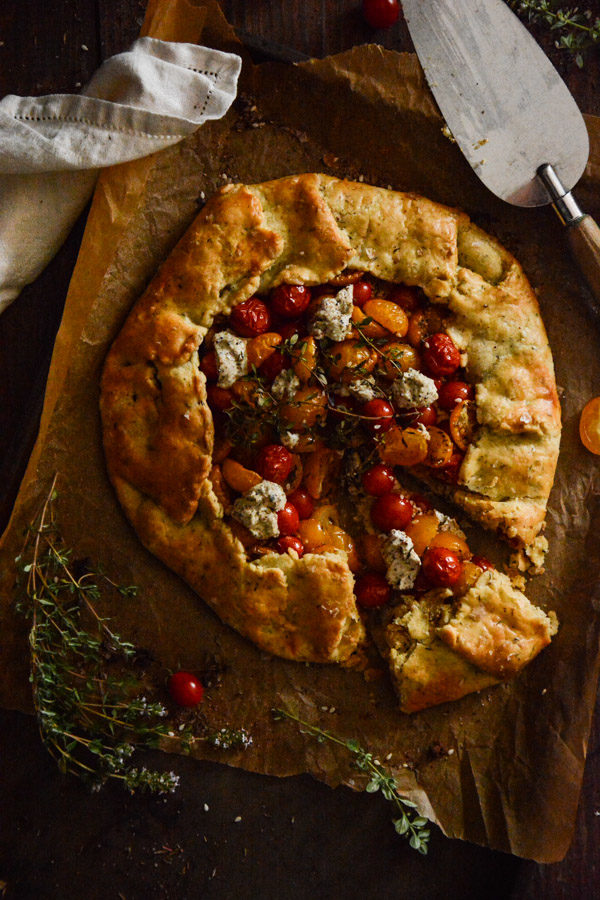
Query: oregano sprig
{"points": [[409, 824], [91, 708]]}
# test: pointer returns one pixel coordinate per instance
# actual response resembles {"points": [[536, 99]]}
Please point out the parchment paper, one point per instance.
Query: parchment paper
{"points": [[512, 775]]}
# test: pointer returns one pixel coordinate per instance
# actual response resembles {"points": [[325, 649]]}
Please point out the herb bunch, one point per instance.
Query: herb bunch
{"points": [[575, 30], [409, 824], [91, 710]]}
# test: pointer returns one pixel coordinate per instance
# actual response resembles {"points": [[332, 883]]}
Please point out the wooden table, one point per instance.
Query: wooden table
{"points": [[295, 836]]}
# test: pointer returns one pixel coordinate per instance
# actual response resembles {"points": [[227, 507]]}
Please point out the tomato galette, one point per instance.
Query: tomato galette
{"points": [[311, 357]]}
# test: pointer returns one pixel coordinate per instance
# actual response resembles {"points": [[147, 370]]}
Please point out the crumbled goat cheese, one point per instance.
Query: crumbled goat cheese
{"points": [[232, 358], [402, 561], [289, 439], [257, 509], [363, 388], [285, 385], [413, 388], [447, 523], [333, 318]]}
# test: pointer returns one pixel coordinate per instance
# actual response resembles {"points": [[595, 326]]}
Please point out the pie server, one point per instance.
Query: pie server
{"points": [[509, 111]]}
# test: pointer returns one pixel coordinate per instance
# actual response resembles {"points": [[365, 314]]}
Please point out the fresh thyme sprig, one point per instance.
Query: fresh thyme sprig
{"points": [[90, 715], [576, 30], [409, 824]]}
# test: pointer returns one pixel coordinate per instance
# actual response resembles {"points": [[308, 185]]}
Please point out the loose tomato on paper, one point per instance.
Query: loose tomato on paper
{"points": [[185, 689], [381, 13], [589, 426]]}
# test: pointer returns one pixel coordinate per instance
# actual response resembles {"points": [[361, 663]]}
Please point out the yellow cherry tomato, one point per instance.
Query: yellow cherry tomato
{"points": [[589, 426]]}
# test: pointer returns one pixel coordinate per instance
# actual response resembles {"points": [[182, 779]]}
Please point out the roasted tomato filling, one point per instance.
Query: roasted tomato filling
{"points": [[321, 396]]}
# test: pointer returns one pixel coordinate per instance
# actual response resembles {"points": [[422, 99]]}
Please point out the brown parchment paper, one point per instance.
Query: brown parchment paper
{"points": [[512, 775]]}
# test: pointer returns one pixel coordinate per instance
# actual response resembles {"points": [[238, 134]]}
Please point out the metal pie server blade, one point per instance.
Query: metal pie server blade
{"points": [[508, 109]]}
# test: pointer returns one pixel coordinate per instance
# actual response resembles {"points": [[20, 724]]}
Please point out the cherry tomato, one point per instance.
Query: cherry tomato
{"points": [[450, 471], [452, 392], [362, 292], [219, 398], [482, 562], [290, 543], [372, 590], [406, 297], [440, 354], [185, 689], [378, 480], [391, 511], [381, 13], [275, 463], [420, 502], [251, 317], [441, 567], [208, 365], [380, 413], [303, 502], [288, 519], [289, 329], [425, 415], [290, 300], [273, 365], [589, 426]]}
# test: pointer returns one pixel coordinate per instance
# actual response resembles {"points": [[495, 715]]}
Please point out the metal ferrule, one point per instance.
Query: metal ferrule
{"points": [[563, 201]]}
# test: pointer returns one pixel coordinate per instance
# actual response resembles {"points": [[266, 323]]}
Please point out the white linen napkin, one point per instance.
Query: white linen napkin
{"points": [[51, 148]]}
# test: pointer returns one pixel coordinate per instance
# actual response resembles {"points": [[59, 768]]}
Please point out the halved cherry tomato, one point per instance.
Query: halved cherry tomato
{"points": [[589, 426], [303, 502], [441, 355], [381, 13], [463, 422], [185, 689], [273, 365], [439, 448], [378, 480], [219, 398], [482, 562], [251, 317], [406, 297], [287, 542], [372, 590], [380, 415], [404, 447], [290, 300], [391, 511], [362, 292], [441, 567], [275, 463], [288, 519], [452, 392]]}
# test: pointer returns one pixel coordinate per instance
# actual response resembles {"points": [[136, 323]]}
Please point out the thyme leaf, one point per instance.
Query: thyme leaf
{"points": [[575, 30], [409, 824], [91, 707]]}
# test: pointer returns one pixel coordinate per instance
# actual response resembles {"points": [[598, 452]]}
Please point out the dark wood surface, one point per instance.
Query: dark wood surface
{"points": [[295, 837]]}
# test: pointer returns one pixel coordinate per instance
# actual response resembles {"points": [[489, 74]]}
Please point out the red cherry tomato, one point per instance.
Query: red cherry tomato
{"points": [[450, 471], [290, 300], [219, 398], [303, 502], [441, 567], [185, 689], [372, 590], [288, 519], [380, 413], [425, 415], [391, 511], [406, 297], [361, 293], [453, 392], [381, 13], [289, 329], [273, 365], [482, 562], [251, 317], [208, 365], [290, 543], [275, 463], [378, 480], [440, 355]]}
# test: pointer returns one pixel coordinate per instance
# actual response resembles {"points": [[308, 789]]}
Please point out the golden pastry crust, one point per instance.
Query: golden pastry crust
{"points": [[440, 650], [158, 431]]}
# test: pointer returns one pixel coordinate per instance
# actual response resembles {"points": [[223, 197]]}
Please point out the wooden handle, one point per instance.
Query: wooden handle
{"points": [[584, 238]]}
